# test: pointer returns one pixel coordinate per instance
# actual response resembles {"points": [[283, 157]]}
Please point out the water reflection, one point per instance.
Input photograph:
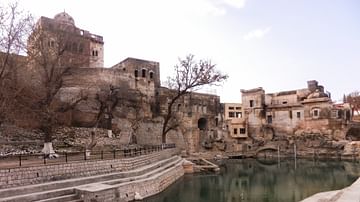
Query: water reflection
{"points": [[253, 180]]}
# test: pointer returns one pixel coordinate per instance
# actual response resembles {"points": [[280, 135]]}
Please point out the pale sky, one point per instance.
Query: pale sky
{"points": [[274, 44]]}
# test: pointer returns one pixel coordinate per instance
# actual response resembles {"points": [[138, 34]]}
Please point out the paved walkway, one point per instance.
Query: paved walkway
{"points": [[348, 194]]}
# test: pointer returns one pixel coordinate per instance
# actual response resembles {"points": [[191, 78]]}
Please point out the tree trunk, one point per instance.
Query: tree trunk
{"points": [[163, 138], [48, 150], [110, 134]]}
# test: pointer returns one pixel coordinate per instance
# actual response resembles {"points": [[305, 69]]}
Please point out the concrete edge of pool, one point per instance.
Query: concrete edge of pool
{"points": [[348, 194]]}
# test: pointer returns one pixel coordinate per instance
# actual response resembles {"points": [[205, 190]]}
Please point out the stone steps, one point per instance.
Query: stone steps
{"points": [[63, 183], [152, 184], [41, 196], [64, 190], [174, 161], [69, 198]]}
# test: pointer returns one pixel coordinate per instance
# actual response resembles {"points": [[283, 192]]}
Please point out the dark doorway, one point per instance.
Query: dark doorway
{"points": [[202, 124]]}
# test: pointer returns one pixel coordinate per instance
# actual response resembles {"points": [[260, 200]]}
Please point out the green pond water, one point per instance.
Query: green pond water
{"points": [[265, 180]]}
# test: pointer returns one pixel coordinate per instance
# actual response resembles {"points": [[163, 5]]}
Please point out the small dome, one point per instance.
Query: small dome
{"points": [[65, 18], [317, 94]]}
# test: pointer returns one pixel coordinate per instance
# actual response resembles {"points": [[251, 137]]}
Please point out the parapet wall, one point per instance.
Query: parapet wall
{"points": [[46, 173]]}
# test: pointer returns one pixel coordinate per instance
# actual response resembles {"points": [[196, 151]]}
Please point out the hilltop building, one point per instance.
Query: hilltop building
{"points": [[60, 33], [141, 101]]}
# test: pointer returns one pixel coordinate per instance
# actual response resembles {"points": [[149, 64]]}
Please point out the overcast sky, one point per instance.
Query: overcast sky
{"points": [[274, 44]]}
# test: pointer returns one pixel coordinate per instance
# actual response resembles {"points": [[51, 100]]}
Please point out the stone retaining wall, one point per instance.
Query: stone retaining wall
{"points": [[46, 173], [126, 191]]}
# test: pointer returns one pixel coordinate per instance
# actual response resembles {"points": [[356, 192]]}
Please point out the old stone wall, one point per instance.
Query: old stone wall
{"points": [[147, 71], [153, 185], [144, 188], [46, 173], [96, 54]]}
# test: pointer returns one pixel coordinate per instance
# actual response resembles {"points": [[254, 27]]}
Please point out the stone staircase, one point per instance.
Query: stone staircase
{"points": [[66, 190]]}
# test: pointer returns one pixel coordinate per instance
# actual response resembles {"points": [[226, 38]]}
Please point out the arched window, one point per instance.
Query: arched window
{"points": [[202, 124], [143, 72], [151, 75], [136, 73]]}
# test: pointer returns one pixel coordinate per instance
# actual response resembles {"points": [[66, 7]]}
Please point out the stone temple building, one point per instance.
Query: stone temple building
{"points": [[61, 31], [284, 116], [131, 90], [129, 102]]}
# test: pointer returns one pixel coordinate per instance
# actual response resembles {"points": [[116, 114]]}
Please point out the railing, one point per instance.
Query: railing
{"points": [[27, 160]]}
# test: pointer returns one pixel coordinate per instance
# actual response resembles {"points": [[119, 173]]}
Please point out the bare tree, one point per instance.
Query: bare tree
{"points": [[51, 57], [138, 118], [190, 75], [354, 100], [15, 26], [107, 99]]}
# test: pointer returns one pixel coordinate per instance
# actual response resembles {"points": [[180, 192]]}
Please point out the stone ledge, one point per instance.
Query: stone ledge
{"points": [[348, 194], [126, 191]]}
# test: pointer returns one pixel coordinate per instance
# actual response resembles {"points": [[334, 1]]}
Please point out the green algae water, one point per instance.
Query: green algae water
{"points": [[261, 180]]}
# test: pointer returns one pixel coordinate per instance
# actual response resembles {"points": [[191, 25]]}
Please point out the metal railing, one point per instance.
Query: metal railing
{"points": [[27, 160]]}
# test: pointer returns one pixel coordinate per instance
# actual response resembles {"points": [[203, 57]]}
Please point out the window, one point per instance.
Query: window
{"points": [[298, 115], [136, 73], [290, 114], [143, 72], [269, 119], [242, 131], [231, 108], [51, 43], [316, 113], [251, 103], [284, 102], [179, 107], [340, 114], [94, 53], [238, 115], [204, 109], [238, 108], [231, 114], [151, 75], [235, 131]]}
